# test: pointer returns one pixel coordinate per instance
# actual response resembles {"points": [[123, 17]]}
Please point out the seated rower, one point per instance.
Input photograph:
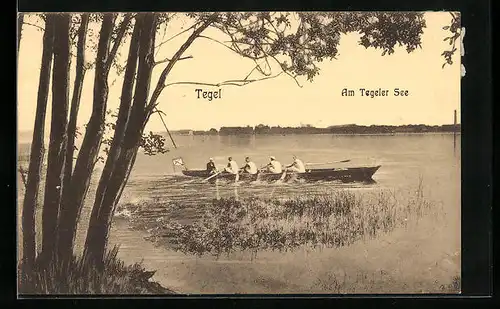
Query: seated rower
{"points": [[232, 167], [297, 166], [274, 166], [211, 169], [249, 167]]}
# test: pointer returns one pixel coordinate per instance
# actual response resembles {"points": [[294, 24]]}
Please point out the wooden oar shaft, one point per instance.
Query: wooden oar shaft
{"points": [[343, 161], [212, 176]]}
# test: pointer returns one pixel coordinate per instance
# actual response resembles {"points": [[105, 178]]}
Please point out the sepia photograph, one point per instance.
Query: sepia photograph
{"points": [[239, 153]]}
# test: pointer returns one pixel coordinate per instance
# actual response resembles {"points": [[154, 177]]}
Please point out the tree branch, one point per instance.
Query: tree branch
{"points": [[161, 81], [168, 60], [230, 48], [286, 72], [234, 82], [121, 32], [176, 35], [33, 25]]}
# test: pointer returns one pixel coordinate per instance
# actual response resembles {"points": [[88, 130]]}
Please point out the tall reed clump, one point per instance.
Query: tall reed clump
{"points": [[332, 219], [79, 277]]}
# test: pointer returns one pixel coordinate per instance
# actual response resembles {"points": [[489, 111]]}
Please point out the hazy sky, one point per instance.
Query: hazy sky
{"points": [[434, 91]]}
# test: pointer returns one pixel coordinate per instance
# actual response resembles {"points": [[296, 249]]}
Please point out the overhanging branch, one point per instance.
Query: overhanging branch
{"points": [[33, 25], [161, 81], [234, 82], [168, 60], [174, 36]]}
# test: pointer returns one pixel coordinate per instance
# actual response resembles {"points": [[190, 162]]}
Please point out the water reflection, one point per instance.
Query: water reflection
{"points": [[238, 140]]}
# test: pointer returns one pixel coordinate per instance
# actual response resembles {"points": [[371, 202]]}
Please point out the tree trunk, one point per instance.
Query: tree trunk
{"points": [[161, 81], [75, 101], [37, 150], [122, 119], [73, 118], [100, 221], [80, 180], [58, 137]]}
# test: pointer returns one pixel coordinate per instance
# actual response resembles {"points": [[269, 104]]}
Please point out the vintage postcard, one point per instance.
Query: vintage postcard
{"points": [[239, 153]]}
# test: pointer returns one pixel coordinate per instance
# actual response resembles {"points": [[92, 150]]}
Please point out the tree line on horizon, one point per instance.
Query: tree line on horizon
{"points": [[309, 129]]}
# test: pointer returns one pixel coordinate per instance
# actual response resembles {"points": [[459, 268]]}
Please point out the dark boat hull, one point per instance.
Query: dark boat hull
{"points": [[325, 174]]}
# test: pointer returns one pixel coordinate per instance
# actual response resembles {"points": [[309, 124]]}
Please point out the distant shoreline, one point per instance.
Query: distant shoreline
{"points": [[333, 130], [343, 130], [331, 134]]}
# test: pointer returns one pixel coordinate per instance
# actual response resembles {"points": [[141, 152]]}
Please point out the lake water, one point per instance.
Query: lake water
{"points": [[412, 259], [405, 160], [417, 258]]}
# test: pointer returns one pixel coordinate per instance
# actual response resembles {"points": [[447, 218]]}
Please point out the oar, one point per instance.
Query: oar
{"points": [[196, 179], [263, 167], [283, 176], [206, 179], [343, 161]]}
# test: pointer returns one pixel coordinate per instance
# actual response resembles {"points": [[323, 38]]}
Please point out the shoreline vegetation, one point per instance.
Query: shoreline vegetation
{"points": [[329, 219], [227, 226], [79, 277], [309, 129]]}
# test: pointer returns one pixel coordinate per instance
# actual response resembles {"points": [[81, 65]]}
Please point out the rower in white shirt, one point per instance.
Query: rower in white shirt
{"points": [[297, 166], [232, 167], [274, 166], [249, 167]]}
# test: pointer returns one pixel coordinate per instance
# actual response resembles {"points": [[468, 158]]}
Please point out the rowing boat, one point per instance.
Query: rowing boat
{"points": [[316, 174]]}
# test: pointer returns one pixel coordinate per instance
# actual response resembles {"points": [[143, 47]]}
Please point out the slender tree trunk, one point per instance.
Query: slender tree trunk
{"points": [[20, 20], [75, 105], [37, 150], [100, 220], [122, 119], [80, 180], [75, 101], [58, 137]]}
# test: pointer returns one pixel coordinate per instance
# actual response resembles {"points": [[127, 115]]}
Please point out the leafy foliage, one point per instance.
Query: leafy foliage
{"points": [[456, 32], [151, 143], [299, 41]]}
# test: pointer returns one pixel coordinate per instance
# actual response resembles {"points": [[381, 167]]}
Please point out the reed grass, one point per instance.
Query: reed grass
{"points": [[379, 282], [80, 277], [331, 219]]}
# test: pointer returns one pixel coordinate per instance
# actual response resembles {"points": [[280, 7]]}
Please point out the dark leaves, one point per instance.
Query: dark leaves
{"points": [[385, 30], [299, 41], [455, 30], [153, 144]]}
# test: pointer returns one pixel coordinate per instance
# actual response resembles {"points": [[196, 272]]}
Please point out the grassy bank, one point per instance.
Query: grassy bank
{"points": [[79, 277]]}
